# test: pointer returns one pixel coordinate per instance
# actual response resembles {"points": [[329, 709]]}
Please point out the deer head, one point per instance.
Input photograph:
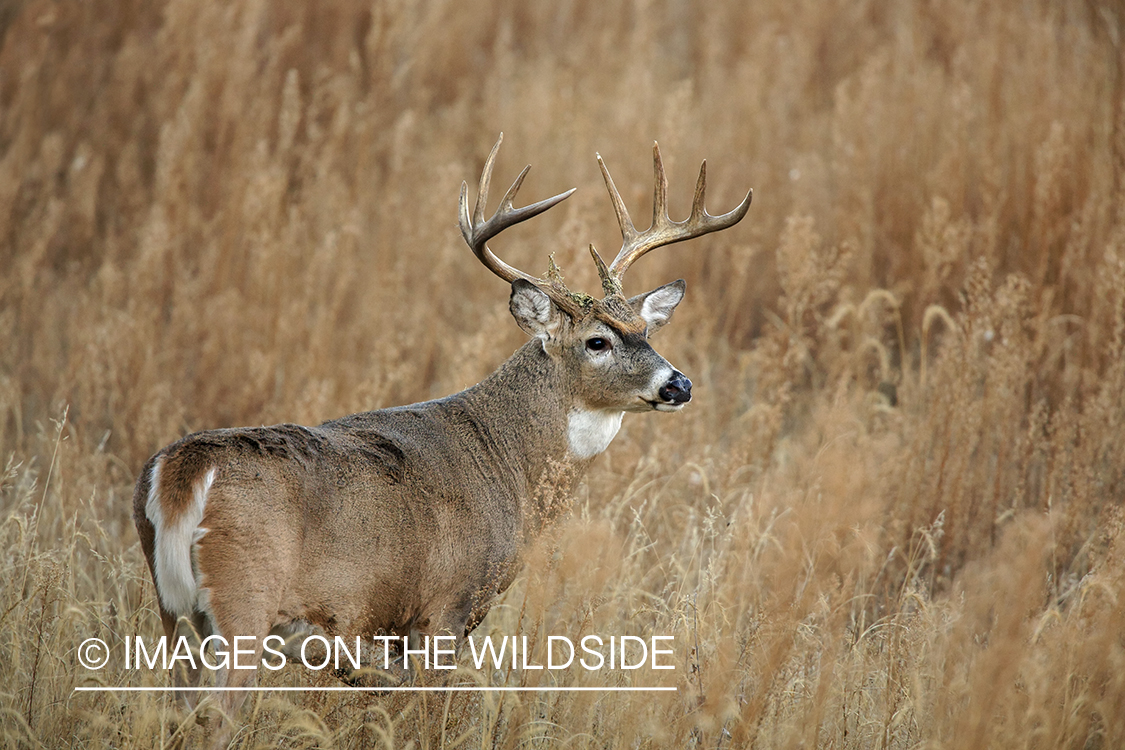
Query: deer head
{"points": [[601, 344]]}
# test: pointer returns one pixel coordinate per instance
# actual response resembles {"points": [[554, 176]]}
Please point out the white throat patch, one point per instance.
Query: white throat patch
{"points": [[589, 432]]}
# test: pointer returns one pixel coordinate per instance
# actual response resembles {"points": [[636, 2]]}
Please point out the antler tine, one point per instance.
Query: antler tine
{"points": [[486, 182], [477, 232], [664, 231], [697, 208], [659, 189], [627, 229], [707, 221]]}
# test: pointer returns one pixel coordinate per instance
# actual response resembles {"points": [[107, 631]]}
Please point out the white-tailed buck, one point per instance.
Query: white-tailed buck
{"points": [[414, 518]]}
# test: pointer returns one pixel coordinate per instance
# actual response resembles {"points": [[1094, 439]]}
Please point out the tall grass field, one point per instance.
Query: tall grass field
{"points": [[893, 515]]}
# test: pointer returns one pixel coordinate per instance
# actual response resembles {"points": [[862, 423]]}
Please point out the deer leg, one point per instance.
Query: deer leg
{"points": [[243, 626], [183, 675], [451, 621]]}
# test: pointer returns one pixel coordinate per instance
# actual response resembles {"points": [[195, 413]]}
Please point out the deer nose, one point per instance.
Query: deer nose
{"points": [[677, 390]]}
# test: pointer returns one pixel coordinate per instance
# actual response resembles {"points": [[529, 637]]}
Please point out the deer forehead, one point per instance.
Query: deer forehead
{"points": [[616, 312], [626, 326]]}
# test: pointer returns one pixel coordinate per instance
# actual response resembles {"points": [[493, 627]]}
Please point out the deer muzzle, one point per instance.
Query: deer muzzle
{"points": [[677, 390]]}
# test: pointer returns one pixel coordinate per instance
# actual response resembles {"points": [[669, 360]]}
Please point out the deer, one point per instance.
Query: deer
{"points": [[413, 519]]}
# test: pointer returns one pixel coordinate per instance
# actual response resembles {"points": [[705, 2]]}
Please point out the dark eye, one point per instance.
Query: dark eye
{"points": [[598, 344]]}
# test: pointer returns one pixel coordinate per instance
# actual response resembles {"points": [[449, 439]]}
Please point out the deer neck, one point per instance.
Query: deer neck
{"points": [[527, 402]]}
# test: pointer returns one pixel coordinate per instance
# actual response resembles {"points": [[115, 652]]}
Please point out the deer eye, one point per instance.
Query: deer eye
{"points": [[598, 344]]}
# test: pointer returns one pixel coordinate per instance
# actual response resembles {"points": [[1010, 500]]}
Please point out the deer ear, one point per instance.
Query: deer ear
{"points": [[533, 310], [656, 307]]}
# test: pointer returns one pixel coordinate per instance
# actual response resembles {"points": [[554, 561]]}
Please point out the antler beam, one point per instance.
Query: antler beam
{"points": [[477, 232], [664, 231]]}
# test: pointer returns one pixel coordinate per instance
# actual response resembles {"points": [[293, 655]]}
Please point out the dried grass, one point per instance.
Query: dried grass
{"points": [[892, 518]]}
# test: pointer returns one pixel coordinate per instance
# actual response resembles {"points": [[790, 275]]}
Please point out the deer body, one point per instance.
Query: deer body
{"points": [[413, 518], [383, 492]]}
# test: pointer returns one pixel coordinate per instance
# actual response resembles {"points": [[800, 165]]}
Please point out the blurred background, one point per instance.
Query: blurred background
{"points": [[890, 516]]}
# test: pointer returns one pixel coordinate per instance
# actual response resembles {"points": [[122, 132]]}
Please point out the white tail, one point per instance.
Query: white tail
{"points": [[172, 567]]}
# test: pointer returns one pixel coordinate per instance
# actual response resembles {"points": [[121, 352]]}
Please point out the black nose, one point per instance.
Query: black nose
{"points": [[677, 390]]}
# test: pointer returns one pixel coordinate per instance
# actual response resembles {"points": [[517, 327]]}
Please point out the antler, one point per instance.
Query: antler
{"points": [[663, 231], [477, 232]]}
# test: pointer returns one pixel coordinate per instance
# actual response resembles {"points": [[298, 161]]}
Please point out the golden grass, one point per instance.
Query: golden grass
{"points": [[891, 518]]}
